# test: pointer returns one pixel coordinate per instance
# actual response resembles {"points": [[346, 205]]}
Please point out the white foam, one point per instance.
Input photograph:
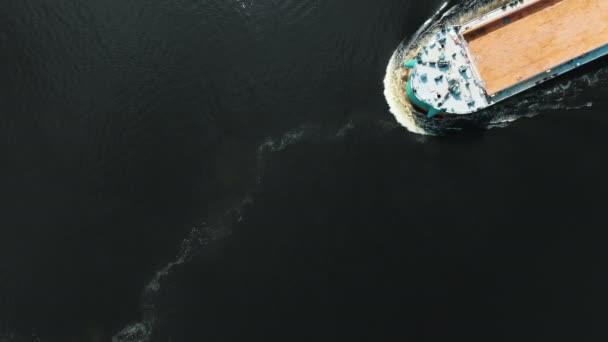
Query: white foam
{"points": [[395, 96], [245, 3], [196, 240]]}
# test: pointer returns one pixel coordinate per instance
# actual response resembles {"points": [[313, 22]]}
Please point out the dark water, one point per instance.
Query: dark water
{"points": [[229, 170]]}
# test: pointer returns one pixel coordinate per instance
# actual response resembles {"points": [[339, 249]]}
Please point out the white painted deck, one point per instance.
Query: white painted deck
{"points": [[432, 82]]}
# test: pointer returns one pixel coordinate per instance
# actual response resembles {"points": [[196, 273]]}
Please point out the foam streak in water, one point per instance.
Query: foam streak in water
{"points": [[194, 243], [199, 238]]}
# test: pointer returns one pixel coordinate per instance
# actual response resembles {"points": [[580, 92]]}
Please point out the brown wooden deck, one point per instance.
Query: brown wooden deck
{"points": [[537, 38]]}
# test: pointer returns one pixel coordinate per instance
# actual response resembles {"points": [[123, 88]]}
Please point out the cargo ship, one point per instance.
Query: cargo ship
{"points": [[462, 69]]}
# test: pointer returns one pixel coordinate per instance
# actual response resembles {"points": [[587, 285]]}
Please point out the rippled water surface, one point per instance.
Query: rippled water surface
{"points": [[201, 170]]}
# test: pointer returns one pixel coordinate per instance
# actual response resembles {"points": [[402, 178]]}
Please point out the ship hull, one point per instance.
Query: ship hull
{"points": [[464, 69]]}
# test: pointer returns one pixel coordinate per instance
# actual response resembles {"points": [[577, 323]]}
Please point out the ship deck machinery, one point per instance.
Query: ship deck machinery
{"points": [[442, 79], [445, 76]]}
